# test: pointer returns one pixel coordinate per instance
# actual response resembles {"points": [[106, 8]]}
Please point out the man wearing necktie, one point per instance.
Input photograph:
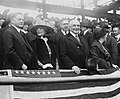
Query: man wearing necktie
{"points": [[18, 52], [64, 30], [73, 48]]}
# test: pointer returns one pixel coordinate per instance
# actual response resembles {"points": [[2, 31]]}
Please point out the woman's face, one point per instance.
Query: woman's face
{"points": [[40, 32]]}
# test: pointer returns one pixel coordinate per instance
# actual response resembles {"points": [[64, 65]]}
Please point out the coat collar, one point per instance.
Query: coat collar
{"points": [[18, 30], [72, 38], [22, 38], [99, 45]]}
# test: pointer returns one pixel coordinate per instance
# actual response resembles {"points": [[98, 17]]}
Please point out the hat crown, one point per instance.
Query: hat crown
{"points": [[86, 23]]}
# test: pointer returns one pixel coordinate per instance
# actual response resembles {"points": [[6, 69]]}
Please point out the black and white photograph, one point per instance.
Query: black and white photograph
{"points": [[59, 49]]}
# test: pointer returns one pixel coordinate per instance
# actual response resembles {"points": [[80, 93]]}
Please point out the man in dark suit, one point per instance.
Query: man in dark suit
{"points": [[17, 51], [4, 27], [86, 32], [64, 30], [73, 48]]}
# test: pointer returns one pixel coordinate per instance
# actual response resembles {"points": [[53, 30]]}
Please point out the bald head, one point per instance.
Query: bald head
{"points": [[17, 19]]}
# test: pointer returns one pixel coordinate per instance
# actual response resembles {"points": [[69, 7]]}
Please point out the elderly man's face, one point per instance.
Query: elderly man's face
{"points": [[18, 21], [75, 27], [64, 25]]}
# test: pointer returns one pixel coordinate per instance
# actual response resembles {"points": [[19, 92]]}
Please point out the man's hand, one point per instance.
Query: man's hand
{"points": [[115, 66], [76, 69], [48, 65], [39, 63], [24, 67]]}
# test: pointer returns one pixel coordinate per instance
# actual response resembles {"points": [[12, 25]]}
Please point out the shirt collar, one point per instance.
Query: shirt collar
{"points": [[16, 28], [64, 32], [85, 31], [25, 32], [73, 34]]}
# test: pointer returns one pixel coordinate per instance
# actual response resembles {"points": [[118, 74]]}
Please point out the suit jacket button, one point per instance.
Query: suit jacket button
{"points": [[78, 47]]}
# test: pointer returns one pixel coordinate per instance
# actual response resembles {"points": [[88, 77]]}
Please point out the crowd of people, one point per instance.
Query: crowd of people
{"points": [[72, 44]]}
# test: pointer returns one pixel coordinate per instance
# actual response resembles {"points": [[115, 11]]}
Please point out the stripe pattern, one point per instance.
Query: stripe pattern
{"points": [[97, 92], [94, 89]]}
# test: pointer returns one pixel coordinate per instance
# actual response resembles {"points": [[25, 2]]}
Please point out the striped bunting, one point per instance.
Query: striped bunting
{"points": [[94, 89], [88, 92]]}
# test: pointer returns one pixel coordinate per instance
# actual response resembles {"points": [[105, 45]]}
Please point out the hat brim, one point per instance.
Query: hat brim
{"points": [[46, 28]]}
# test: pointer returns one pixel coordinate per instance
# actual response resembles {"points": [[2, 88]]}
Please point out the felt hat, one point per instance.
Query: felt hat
{"points": [[86, 23]]}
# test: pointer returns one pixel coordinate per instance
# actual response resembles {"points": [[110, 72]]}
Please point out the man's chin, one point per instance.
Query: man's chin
{"points": [[20, 27], [76, 32]]}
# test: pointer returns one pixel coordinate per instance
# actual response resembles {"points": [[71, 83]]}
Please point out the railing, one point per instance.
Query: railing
{"points": [[9, 85], [13, 80]]}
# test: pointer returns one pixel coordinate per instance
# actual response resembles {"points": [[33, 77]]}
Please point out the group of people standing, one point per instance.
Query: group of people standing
{"points": [[74, 46]]}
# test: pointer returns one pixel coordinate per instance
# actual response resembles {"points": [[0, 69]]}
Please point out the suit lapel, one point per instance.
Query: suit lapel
{"points": [[21, 38], [96, 43], [73, 39], [25, 41]]}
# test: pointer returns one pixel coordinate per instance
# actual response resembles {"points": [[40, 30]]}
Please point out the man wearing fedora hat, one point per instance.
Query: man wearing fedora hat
{"points": [[86, 31], [64, 30]]}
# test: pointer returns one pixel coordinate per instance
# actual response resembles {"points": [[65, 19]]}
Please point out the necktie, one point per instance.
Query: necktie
{"points": [[77, 38], [81, 33], [65, 32]]}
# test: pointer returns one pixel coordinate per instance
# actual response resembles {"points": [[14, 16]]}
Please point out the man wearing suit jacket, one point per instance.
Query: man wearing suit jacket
{"points": [[17, 51], [4, 27], [73, 48], [64, 30], [86, 31]]}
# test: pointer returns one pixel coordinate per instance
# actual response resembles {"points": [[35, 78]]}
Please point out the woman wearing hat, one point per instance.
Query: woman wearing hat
{"points": [[99, 57], [43, 45]]}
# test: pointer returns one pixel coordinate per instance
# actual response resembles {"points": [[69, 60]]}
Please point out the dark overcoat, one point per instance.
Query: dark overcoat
{"points": [[73, 53], [17, 50]]}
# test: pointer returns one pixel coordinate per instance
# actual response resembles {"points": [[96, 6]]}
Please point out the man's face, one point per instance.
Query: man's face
{"points": [[25, 27], [18, 21], [83, 28], [75, 27], [64, 25], [116, 31]]}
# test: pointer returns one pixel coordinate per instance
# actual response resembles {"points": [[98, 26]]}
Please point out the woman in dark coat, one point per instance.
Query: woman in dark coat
{"points": [[41, 41], [99, 57]]}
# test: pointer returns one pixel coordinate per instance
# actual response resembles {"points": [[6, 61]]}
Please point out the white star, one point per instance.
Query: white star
{"points": [[27, 72], [53, 72], [33, 72], [38, 72], [48, 72], [22, 72], [16, 71], [43, 72]]}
